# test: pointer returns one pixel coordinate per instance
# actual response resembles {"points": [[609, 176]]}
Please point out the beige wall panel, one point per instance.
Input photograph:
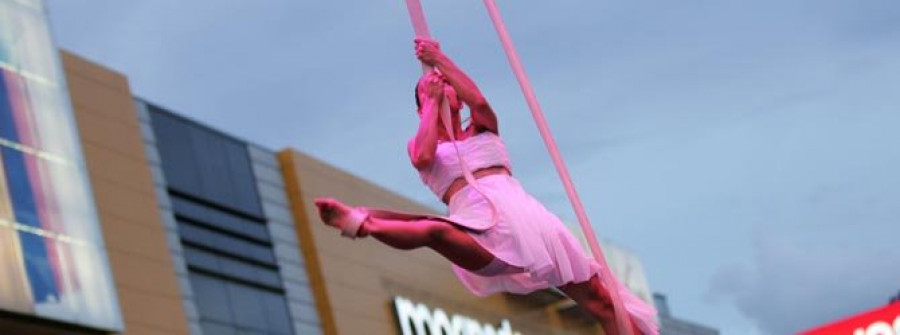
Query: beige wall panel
{"points": [[122, 170], [120, 137], [83, 67], [135, 236], [151, 311], [123, 188], [143, 274], [361, 303], [122, 202], [101, 95], [358, 324], [137, 329], [100, 98]]}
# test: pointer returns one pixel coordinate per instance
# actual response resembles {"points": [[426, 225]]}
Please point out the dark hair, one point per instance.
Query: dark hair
{"points": [[416, 94]]}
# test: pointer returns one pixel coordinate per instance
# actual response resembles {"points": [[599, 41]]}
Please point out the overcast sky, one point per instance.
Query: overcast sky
{"points": [[747, 151]]}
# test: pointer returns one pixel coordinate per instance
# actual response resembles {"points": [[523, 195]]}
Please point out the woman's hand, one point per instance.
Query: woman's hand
{"points": [[428, 51], [433, 85]]}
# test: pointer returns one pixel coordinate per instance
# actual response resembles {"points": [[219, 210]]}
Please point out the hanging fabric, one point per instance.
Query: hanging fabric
{"points": [[420, 26]]}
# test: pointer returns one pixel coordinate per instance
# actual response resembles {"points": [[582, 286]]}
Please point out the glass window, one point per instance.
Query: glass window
{"points": [[211, 297], [268, 277], [228, 307], [277, 317], [248, 306], [201, 259], [234, 268], [218, 329], [239, 269], [204, 163], [53, 264], [226, 244], [219, 219]]}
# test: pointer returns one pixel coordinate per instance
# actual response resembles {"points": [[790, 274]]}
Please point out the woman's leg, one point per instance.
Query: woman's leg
{"points": [[443, 237], [596, 300]]}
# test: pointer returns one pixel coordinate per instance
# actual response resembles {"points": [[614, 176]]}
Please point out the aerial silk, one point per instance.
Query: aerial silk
{"points": [[420, 26]]}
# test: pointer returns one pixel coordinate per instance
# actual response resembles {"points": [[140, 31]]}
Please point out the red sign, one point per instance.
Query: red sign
{"points": [[882, 321]]}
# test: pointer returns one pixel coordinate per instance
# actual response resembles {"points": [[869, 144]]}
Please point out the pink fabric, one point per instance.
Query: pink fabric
{"points": [[529, 237], [526, 235], [645, 320], [420, 26], [480, 151], [561, 169]]}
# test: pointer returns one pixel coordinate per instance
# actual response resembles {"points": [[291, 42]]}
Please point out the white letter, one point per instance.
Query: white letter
{"points": [[417, 314], [440, 320], [404, 310], [472, 327], [897, 325], [880, 328], [505, 328]]}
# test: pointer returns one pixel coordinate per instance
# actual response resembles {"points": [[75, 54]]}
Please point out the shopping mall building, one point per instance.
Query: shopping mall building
{"points": [[119, 216]]}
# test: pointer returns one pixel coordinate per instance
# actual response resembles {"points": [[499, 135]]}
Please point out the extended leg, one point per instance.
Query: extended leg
{"points": [[594, 298], [448, 240]]}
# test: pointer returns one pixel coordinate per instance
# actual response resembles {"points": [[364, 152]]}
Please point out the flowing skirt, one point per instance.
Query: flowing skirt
{"points": [[526, 236]]}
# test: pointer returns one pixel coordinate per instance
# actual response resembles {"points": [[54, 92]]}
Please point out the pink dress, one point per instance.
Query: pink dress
{"points": [[525, 235]]}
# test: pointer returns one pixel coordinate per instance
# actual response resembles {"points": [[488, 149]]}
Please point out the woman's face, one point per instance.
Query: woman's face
{"points": [[449, 94], [420, 97], [453, 99]]}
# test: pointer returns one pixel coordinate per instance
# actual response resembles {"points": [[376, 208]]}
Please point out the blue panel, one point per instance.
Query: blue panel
{"points": [[226, 244], [173, 141], [219, 219], [277, 317], [247, 302], [211, 297], [7, 123], [22, 197], [228, 307], [47, 185], [203, 163], [245, 188]]}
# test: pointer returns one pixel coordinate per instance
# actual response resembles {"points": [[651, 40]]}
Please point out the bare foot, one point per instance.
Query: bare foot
{"points": [[332, 211]]}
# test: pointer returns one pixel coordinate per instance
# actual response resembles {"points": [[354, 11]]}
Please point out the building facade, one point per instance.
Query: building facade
{"points": [[53, 259], [118, 216], [229, 229], [670, 325]]}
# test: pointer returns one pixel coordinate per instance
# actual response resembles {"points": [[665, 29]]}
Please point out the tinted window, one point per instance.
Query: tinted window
{"points": [[226, 244], [233, 308], [211, 297], [204, 163], [220, 219]]}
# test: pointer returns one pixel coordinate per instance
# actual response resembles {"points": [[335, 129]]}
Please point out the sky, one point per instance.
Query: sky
{"points": [[746, 151]]}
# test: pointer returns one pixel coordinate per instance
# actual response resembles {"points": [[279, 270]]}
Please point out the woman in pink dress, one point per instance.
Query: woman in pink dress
{"points": [[496, 235]]}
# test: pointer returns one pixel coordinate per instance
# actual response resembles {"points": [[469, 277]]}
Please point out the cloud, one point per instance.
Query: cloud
{"points": [[684, 123], [792, 287]]}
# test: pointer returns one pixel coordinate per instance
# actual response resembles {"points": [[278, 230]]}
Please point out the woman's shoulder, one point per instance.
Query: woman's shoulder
{"points": [[480, 136], [487, 136], [480, 132]]}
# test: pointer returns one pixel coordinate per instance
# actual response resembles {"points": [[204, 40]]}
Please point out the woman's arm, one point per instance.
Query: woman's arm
{"points": [[422, 147], [483, 117]]}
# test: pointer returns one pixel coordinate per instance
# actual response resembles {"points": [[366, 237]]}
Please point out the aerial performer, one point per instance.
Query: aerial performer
{"points": [[496, 235]]}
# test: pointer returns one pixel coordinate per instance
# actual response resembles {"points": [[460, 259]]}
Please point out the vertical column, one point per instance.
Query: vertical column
{"points": [[270, 184], [168, 220]]}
